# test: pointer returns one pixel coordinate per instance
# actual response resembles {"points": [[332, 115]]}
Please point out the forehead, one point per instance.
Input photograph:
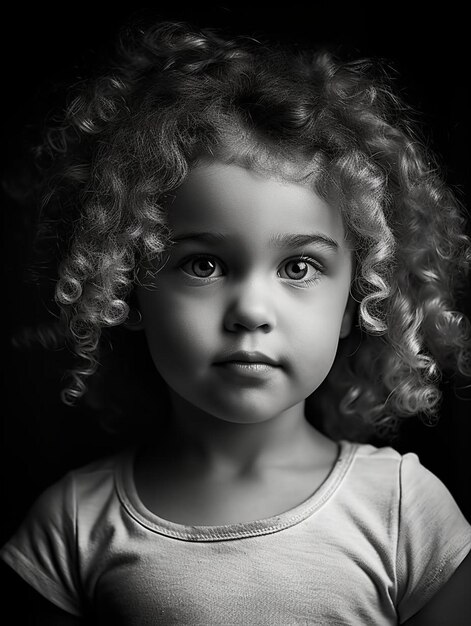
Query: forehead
{"points": [[251, 203]]}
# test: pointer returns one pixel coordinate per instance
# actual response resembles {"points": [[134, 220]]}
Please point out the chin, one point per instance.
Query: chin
{"points": [[239, 407], [249, 412], [244, 419], [237, 412]]}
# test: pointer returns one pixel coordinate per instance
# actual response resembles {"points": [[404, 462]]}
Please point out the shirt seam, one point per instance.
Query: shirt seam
{"points": [[221, 535], [398, 530], [444, 562]]}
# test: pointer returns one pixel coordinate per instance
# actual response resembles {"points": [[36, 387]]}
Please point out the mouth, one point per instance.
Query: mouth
{"points": [[251, 360], [248, 366]]}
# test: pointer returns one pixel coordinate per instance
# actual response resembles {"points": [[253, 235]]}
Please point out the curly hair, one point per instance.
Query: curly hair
{"points": [[174, 95]]}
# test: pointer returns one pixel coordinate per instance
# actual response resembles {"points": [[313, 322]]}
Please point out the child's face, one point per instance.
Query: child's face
{"points": [[233, 283]]}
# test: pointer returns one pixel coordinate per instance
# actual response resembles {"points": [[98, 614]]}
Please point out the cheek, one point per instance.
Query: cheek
{"points": [[315, 338], [176, 329]]}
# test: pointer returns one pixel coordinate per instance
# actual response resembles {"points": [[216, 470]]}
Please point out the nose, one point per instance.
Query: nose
{"points": [[250, 308]]}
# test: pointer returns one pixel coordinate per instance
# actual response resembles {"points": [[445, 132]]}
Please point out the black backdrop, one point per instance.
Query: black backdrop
{"points": [[48, 48]]}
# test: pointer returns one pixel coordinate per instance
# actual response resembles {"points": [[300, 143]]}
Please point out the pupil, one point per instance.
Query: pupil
{"points": [[299, 267], [204, 266]]}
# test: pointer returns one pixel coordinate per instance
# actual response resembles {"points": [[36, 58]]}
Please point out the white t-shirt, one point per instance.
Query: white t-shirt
{"points": [[371, 546]]}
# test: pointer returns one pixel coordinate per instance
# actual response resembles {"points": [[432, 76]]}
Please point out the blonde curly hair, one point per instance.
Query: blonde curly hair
{"points": [[174, 94]]}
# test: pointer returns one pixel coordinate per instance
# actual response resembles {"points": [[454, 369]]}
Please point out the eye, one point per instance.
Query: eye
{"points": [[201, 267], [300, 269]]}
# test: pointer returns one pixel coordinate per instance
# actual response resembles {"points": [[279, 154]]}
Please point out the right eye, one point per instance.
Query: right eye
{"points": [[202, 266]]}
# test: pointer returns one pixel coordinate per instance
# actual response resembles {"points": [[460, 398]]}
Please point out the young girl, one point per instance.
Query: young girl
{"points": [[269, 222]]}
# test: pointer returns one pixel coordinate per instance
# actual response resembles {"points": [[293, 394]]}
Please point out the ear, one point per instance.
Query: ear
{"points": [[134, 319], [348, 317]]}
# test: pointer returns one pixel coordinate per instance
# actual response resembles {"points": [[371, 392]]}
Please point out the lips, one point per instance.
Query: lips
{"points": [[247, 368], [244, 357]]}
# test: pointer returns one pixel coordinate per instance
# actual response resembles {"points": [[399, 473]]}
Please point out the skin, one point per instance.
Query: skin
{"points": [[245, 293]]}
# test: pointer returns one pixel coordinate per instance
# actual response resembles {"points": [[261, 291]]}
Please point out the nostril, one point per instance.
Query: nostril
{"points": [[247, 324], [251, 327]]}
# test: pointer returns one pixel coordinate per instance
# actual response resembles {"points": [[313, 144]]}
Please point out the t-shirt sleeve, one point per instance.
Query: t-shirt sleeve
{"points": [[42, 551], [433, 536]]}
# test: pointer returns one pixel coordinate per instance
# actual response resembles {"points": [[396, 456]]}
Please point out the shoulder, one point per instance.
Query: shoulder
{"points": [[383, 478], [378, 466], [97, 477], [82, 491], [405, 468], [379, 454], [418, 489]]}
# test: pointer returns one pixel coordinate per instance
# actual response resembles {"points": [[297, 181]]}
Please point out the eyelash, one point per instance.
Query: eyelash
{"points": [[304, 259]]}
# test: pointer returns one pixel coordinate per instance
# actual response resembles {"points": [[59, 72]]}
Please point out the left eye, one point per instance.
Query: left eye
{"points": [[201, 266], [298, 269]]}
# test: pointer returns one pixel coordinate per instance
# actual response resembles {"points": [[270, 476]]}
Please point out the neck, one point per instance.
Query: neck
{"points": [[218, 447]]}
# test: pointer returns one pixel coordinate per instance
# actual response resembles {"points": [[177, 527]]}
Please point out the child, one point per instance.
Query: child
{"points": [[271, 225]]}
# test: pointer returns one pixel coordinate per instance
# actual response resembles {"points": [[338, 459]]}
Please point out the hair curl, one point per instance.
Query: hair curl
{"points": [[173, 95]]}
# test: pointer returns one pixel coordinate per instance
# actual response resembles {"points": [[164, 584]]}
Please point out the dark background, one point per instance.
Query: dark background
{"points": [[44, 50]]}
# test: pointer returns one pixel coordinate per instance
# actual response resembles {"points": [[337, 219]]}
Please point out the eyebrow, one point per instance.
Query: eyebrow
{"points": [[277, 241]]}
